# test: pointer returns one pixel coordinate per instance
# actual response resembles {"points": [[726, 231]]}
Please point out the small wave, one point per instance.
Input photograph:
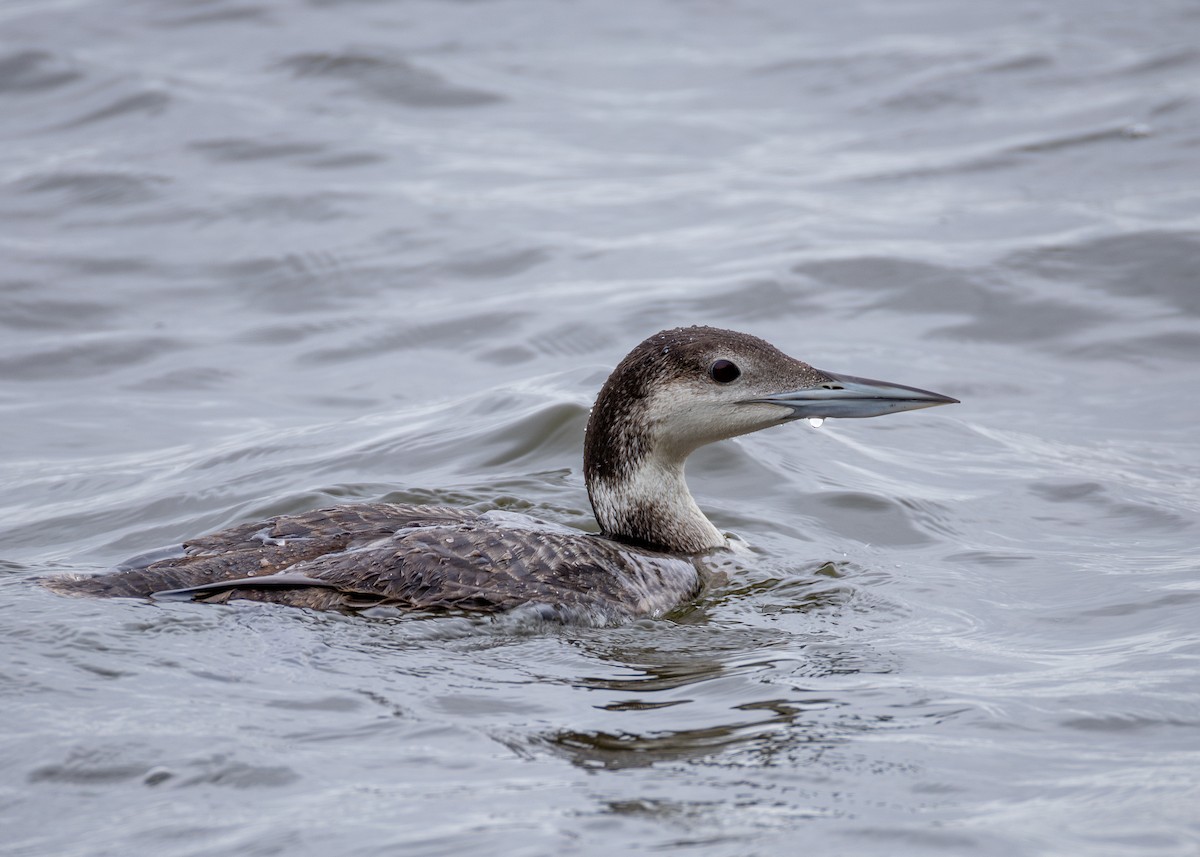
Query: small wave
{"points": [[388, 78]]}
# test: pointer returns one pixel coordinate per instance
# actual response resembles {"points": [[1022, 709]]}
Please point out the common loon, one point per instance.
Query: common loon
{"points": [[676, 391]]}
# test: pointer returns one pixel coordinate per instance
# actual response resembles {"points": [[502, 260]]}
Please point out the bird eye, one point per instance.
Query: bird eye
{"points": [[724, 371]]}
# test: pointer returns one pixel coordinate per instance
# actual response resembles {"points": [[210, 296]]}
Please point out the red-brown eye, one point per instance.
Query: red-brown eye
{"points": [[724, 371]]}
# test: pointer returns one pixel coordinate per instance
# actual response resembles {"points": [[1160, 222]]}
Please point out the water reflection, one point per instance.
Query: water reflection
{"points": [[713, 694]]}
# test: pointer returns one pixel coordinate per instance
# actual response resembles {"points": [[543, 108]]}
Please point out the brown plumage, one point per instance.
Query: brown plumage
{"points": [[676, 391], [434, 558]]}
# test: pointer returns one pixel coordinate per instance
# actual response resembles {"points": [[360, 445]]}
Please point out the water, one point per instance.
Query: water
{"points": [[262, 256]]}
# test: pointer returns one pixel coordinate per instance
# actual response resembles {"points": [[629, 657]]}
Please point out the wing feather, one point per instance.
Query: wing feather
{"points": [[427, 558]]}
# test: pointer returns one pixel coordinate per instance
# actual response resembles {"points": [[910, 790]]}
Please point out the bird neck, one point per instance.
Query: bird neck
{"points": [[651, 505], [636, 483]]}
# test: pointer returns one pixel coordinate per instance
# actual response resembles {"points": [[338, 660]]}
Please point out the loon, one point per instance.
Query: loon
{"points": [[678, 390]]}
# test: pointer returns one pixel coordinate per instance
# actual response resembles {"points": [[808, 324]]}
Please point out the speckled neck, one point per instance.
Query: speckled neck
{"points": [[634, 480]]}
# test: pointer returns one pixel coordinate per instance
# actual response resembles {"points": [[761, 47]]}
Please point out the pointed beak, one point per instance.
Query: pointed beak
{"points": [[845, 396]]}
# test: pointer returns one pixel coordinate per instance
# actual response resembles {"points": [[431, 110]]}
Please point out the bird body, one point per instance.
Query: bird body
{"points": [[676, 391]]}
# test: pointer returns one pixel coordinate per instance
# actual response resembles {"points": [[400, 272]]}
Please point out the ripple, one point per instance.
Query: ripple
{"points": [[911, 285], [1152, 264], [193, 378], [242, 149], [85, 359], [89, 767], [347, 160], [1098, 498], [981, 557], [1125, 723], [1168, 60], [42, 313], [292, 207], [1130, 608], [105, 765], [450, 334], [147, 103], [996, 314], [872, 518], [298, 283], [1077, 139], [34, 71], [495, 265], [619, 750], [1012, 319], [210, 17], [569, 340], [553, 428], [754, 301], [1151, 348], [221, 771], [96, 188], [388, 78], [299, 331]]}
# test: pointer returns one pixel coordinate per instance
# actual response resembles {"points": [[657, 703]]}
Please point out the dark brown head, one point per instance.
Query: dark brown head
{"points": [[686, 387], [683, 388]]}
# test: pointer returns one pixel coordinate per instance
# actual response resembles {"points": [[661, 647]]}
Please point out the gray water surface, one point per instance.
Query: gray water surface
{"points": [[264, 256]]}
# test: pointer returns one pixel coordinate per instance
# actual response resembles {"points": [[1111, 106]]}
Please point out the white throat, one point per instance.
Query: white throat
{"points": [[652, 503]]}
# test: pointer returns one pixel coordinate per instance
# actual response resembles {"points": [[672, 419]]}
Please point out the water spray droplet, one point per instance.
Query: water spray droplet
{"points": [[816, 422]]}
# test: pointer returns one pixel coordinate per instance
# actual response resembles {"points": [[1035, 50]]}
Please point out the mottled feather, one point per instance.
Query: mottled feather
{"points": [[429, 558]]}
